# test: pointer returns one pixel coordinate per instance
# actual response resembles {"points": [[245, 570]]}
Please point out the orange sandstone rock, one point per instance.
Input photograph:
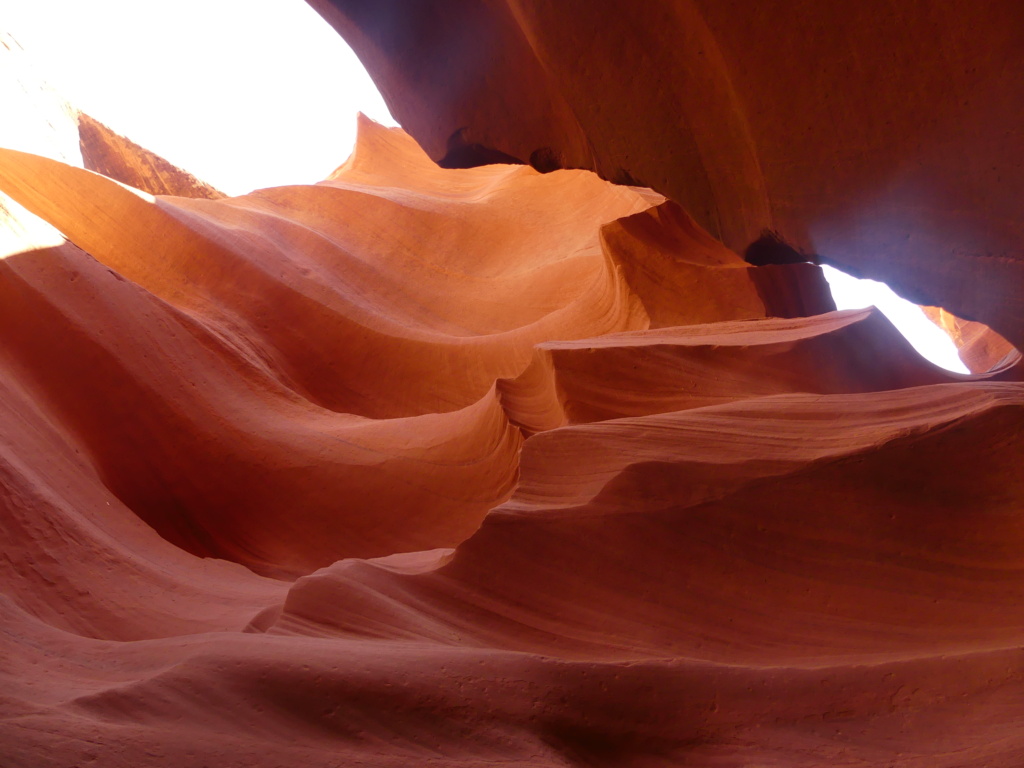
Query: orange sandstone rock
{"points": [[880, 137], [481, 466], [111, 154]]}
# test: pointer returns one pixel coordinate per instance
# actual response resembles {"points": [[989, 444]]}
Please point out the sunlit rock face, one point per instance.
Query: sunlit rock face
{"points": [[882, 137], [111, 154], [481, 466], [37, 119]]}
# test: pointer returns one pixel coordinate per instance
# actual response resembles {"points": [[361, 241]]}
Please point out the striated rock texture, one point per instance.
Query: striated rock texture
{"points": [[482, 466], [111, 154], [882, 136], [980, 348]]}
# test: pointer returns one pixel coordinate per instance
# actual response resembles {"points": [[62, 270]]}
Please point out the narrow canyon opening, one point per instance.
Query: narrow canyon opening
{"points": [[958, 345]]}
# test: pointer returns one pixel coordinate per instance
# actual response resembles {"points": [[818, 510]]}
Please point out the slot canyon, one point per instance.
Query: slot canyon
{"points": [[532, 434]]}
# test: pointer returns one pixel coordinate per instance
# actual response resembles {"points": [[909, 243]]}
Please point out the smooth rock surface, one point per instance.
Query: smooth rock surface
{"points": [[477, 467], [883, 136]]}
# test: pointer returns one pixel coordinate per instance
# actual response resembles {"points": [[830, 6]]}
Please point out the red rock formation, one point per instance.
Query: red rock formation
{"points": [[981, 348], [111, 154], [482, 466], [880, 136]]}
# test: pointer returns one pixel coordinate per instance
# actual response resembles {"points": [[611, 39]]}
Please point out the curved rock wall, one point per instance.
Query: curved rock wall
{"points": [[482, 466], [880, 136]]}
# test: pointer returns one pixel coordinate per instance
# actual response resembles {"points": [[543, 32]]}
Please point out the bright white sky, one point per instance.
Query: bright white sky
{"points": [[242, 93], [258, 93], [930, 340]]}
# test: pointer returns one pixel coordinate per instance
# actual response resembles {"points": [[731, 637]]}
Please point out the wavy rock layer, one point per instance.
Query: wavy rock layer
{"points": [[881, 137], [482, 466]]}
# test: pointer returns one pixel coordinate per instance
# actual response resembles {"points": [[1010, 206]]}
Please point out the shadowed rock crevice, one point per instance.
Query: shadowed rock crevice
{"points": [[770, 248], [463, 154]]}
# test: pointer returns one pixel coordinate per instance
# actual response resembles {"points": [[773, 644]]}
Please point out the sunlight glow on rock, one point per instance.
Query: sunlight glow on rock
{"points": [[257, 108], [927, 338]]}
